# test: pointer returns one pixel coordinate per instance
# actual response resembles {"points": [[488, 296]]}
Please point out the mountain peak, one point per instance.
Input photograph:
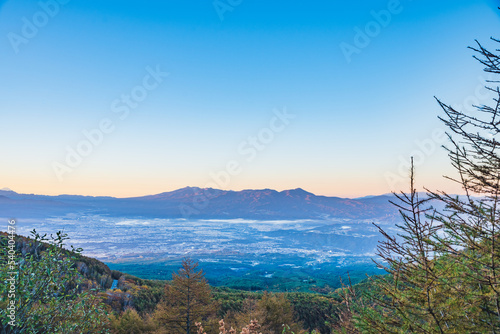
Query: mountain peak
{"points": [[298, 192], [6, 189]]}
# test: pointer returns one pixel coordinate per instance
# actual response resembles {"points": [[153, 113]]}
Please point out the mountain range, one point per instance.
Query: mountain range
{"points": [[193, 202]]}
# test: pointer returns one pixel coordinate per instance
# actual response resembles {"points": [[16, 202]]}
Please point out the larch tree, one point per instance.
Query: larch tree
{"points": [[187, 300], [444, 265]]}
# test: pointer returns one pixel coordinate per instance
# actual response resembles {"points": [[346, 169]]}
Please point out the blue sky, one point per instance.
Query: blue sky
{"points": [[354, 121]]}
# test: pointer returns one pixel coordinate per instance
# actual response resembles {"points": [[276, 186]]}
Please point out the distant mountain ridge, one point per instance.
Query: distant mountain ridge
{"points": [[194, 202]]}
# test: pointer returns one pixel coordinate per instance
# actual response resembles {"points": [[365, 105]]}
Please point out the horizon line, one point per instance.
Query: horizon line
{"points": [[195, 187]]}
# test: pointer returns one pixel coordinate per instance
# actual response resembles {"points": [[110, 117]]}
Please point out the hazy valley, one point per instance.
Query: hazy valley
{"points": [[147, 236]]}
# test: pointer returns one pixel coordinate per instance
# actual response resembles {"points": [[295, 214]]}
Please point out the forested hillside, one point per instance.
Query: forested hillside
{"points": [[136, 305]]}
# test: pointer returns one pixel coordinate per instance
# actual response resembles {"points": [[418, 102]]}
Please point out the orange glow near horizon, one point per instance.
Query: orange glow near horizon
{"points": [[135, 187]]}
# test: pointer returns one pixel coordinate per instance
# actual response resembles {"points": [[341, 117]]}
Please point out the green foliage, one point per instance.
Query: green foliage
{"points": [[146, 298], [275, 312], [313, 311], [231, 301], [443, 266], [130, 322], [46, 290]]}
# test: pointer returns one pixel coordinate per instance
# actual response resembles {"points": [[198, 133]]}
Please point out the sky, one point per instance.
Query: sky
{"points": [[129, 98]]}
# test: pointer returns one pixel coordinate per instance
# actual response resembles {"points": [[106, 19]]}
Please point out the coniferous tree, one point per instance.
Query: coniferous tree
{"points": [[187, 300], [444, 273]]}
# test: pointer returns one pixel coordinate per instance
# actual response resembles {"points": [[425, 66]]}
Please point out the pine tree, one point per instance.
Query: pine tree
{"points": [[187, 300]]}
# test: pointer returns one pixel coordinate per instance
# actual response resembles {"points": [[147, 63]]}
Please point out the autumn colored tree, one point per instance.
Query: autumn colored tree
{"points": [[275, 314], [187, 301], [130, 322]]}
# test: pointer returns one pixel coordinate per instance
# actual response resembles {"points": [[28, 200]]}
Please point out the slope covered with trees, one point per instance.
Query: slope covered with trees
{"points": [[72, 295]]}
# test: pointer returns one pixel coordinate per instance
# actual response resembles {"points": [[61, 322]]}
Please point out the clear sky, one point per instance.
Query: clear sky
{"points": [[128, 98]]}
